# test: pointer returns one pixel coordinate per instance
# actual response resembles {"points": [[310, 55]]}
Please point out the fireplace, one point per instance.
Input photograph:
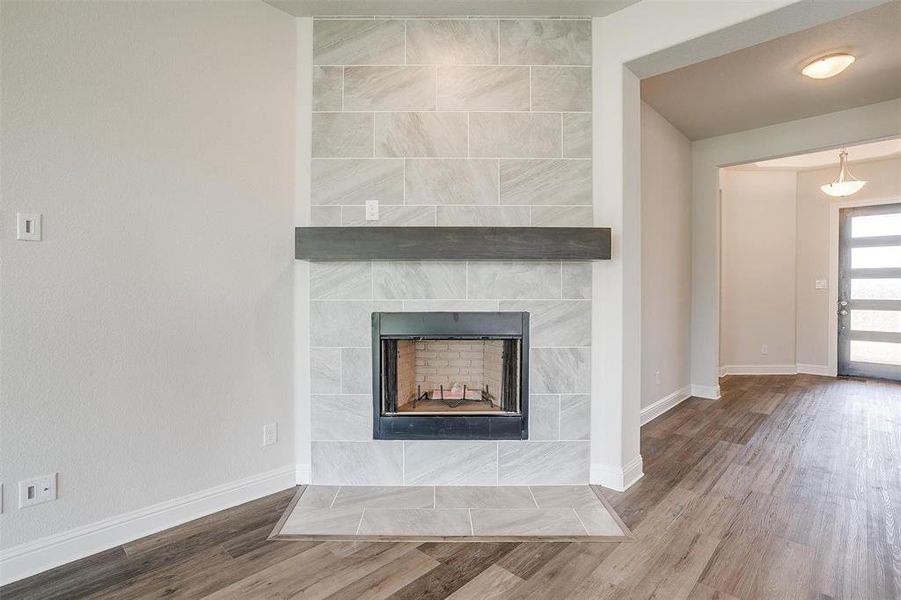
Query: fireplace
{"points": [[447, 375]]}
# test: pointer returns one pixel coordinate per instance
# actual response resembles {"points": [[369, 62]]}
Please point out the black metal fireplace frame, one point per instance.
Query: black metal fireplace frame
{"points": [[450, 325]]}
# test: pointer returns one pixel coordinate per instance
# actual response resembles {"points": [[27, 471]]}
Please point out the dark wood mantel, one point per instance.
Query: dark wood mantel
{"points": [[452, 243]]}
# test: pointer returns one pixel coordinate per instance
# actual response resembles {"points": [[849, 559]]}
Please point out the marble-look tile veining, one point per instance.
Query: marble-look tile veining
{"points": [[491, 496], [514, 279], [397, 496], [340, 134], [345, 323], [542, 463], [534, 521], [424, 522], [325, 371], [484, 216], [389, 216], [577, 135], [312, 520], [358, 41], [421, 134], [555, 323], [577, 280], [450, 462], [452, 42], [483, 88], [345, 417], [561, 88], [357, 463], [545, 182], [335, 280], [514, 135], [389, 88], [419, 279], [575, 416], [356, 371], [560, 370], [353, 181], [327, 82], [545, 42], [562, 216], [544, 416], [325, 216], [451, 181]]}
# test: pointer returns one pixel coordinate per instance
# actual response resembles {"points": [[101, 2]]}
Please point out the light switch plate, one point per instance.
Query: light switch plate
{"points": [[270, 434], [820, 284], [28, 227]]}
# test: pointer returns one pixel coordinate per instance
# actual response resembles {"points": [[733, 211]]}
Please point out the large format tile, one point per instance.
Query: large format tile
{"points": [[534, 521], [514, 135], [420, 134], [355, 42], [325, 216], [555, 322], [562, 216], [345, 322], [575, 416], [544, 416], [452, 42], [341, 417], [450, 462], [419, 279], [358, 463], [389, 216], [412, 521], [356, 370], [327, 82], [450, 305], [483, 88], [320, 496], [514, 279], [561, 88], [391, 496], [342, 134], [356, 180], [451, 181], [565, 496], [577, 280], [313, 520], [577, 136], [484, 216], [560, 370], [545, 182], [483, 496], [389, 88], [599, 521], [542, 463], [545, 42], [325, 370], [340, 280]]}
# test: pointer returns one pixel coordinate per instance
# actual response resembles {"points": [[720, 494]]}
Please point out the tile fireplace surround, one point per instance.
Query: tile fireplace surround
{"points": [[451, 122]]}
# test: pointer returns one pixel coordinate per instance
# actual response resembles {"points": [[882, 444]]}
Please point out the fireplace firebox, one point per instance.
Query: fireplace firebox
{"points": [[450, 375]]}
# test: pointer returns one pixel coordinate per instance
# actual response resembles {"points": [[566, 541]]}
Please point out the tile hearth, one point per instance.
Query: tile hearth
{"points": [[450, 513]]}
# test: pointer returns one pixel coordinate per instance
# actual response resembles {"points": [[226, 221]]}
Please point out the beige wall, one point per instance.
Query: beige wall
{"points": [[758, 268], [665, 258]]}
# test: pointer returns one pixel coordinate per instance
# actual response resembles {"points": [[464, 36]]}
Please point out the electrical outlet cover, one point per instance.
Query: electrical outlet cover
{"points": [[37, 490], [270, 434]]}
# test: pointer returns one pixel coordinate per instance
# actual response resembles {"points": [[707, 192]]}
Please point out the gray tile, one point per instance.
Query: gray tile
{"points": [[544, 182], [450, 305], [357, 463], [349, 42], [413, 521], [353, 181], [451, 462], [419, 279], [451, 181], [533, 521], [392, 496], [544, 416], [577, 135], [562, 216], [514, 135], [599, 521], [325, 216], [342, 134], [576, 280], [341, 417], [393, 216], [389, 88], [484, 216], [560, 370], [489, 496], [483, 88], [555, 322], [421, 134], [356, 370], [327, 88], [338, 323], [310, 520], [543, 463], [340, 280], [514, 279], [575, 417], [325, 370], [545, 42], [561, 88], [452, 42], [566, 496], [320, 496]]}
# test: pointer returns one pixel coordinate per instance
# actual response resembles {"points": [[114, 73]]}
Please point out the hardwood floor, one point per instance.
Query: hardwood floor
{"points": [[787, 487]]}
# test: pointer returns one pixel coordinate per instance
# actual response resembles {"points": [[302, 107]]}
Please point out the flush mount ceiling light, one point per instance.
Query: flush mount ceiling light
{"points": [[828, 66], [846, 184]]}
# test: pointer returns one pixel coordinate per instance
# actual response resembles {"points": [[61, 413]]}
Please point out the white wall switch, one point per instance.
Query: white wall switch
{"points": [[270, 434], [820, 284], [372, 210], [37, 490], [28, 227], [764, 349]]}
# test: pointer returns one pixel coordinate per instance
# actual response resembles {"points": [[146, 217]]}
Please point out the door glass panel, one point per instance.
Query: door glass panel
{"points": [[874, 225], [887, 353], [876, 320], [876, 289], [876, 257]]}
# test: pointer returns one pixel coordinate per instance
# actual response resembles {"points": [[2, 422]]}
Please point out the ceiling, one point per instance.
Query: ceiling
{"points": [[427, 8], [762, 85], [827, 158]]}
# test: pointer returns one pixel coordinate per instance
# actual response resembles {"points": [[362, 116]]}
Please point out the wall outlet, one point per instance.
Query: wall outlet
{"points": [[657, 377], [270, 434], [372, 210], [820, 284], [37, 490], [764, 349], [28, 227]]}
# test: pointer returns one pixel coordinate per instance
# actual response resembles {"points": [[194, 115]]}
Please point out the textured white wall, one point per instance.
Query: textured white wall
{"points": [[148, 337], [665, 257]]}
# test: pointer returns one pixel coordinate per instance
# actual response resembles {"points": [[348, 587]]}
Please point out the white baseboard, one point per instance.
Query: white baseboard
{"points": [[823, 370], [709, 392], [649, 413], [304, 474], [39, 555], [775, 370], [617, 479]]}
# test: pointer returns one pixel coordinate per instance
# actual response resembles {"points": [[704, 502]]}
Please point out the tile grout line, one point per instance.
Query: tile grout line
{"points": [[360, 523], [472, 529], [582, 523], [338, 491], [533, 496]]}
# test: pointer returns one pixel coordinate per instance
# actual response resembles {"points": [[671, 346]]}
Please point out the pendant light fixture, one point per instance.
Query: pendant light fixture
{"points": [[845, 184]]}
